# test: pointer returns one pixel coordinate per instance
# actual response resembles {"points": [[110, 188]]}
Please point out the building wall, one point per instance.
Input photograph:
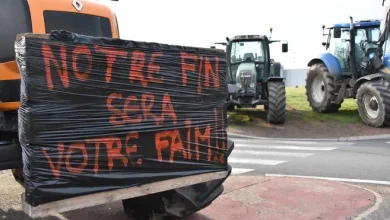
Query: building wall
{"points": [[294, 77]]}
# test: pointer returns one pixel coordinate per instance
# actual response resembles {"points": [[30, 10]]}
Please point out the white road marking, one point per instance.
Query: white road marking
{"points": [[388, 142], [314, 143], [297, 142], [286, 147], [246, 141], [255, 161], [333, 179], [238, 171], [271, 153]]}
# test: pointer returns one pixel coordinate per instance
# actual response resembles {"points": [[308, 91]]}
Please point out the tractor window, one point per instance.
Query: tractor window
{"points": [[247, 51], [367, 37], [85, 24], [361, 35], [339, 48], [361, 41], [366, 40], [374, 35]]}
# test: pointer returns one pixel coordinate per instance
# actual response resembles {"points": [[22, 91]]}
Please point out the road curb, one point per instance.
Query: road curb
{"points": [[266, 196], [372, 137], [378, 202], [361, 216], [355, 138]]}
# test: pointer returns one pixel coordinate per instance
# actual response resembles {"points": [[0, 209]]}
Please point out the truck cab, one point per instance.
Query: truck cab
{"points": [[86, 17]]}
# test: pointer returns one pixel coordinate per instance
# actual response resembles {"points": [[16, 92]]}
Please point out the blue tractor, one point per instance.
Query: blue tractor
{"points": [[352, 67]]}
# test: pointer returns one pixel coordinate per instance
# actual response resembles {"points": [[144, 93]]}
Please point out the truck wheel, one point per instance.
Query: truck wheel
{"points": [[148, 207], [320, 89], [276, 102], [230, 107], [373, 100], [18, 175]]}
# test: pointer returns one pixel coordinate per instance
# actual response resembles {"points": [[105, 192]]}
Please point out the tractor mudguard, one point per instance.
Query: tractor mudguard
{"points": [[330, 62], [371, 77], [275, 69], [275, 78]]}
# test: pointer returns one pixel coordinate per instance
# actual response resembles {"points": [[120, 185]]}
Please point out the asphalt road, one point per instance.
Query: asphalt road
{"points": [[357, 161], [364, 163]]}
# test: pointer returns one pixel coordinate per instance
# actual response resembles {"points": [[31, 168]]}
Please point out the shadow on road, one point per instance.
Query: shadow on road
{"points": [[12, 214], [103, 212]]}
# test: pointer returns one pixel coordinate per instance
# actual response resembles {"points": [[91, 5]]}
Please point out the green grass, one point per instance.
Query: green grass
{"points": [[297, 100], [298, 108]]}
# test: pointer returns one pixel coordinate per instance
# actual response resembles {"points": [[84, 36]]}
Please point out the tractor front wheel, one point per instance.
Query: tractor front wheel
{"points": [[320, 89], [373, 100], [276, 109]]}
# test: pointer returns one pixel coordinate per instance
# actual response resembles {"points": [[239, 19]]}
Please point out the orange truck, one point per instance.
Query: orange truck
{"points": [[87, 17]]}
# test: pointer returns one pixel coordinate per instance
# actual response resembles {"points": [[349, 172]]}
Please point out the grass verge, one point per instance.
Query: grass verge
{"points": [[298, 108]]}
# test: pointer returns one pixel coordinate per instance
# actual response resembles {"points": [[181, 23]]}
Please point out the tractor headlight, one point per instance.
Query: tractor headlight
{"points": [[252, 85], [239, 85]]}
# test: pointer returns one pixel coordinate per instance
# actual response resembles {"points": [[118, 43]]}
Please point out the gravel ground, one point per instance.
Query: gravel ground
{"points": [[11, 209]]}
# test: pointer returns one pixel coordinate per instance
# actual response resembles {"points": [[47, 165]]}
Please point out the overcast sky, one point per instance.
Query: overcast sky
{"points": [[202, 22]]}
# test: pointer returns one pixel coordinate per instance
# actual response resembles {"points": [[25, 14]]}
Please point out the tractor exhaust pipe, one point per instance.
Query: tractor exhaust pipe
{"points": [[376, 61], [352, 62]]}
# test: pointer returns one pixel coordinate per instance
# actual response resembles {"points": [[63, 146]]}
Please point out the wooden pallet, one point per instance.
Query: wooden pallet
{"points": [[95, 199]]}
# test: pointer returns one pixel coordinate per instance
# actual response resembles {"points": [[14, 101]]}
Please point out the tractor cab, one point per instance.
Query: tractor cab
{"points": [[365, 42], [249, 69], [249, 63], [253, 78]]}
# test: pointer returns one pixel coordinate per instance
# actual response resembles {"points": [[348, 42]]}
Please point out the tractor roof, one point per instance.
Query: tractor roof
{"points": [[365, 23], [248, 37]]}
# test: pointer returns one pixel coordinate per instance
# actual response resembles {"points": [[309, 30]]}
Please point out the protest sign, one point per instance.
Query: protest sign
{"points": [[99, 114]]}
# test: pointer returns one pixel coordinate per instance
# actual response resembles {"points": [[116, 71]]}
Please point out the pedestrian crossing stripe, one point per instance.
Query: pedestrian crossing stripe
{"points": [[255, 161], [272, 153], [248, 154], [285, 147]]}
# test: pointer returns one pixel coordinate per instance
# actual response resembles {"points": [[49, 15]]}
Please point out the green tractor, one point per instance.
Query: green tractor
{"points": [[253, 77]]}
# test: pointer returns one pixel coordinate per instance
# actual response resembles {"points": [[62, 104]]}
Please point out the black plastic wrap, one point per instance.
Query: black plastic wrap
{"points": [[100, 114]]}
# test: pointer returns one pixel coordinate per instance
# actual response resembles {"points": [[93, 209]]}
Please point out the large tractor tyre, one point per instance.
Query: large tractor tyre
{"points": [[276, 102], [373, 100], [320, 89]]}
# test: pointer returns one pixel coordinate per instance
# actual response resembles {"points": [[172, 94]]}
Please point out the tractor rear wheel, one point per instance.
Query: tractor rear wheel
{"points": [[373, 100], [320, 89], [276, 102]]}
